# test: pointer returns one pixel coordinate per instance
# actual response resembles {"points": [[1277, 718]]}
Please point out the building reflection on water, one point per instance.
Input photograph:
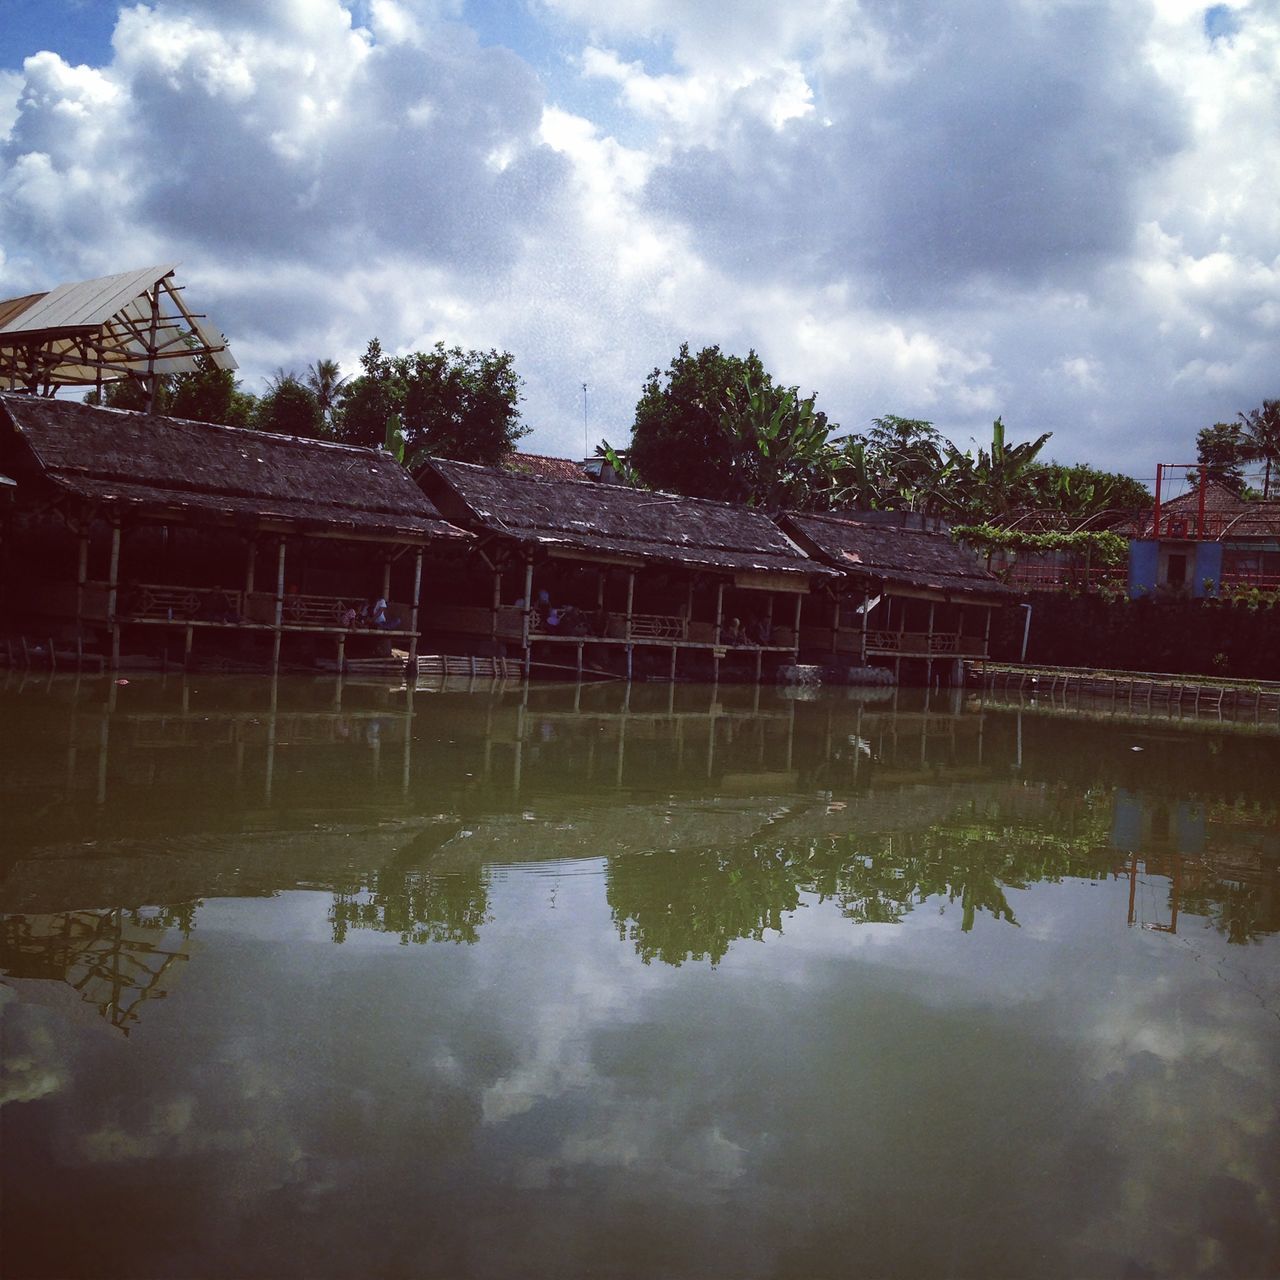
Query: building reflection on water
{"points": [[716, 812]]}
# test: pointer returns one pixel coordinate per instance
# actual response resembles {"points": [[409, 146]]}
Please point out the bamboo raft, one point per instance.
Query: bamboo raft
{"points": [[1138, 692]]}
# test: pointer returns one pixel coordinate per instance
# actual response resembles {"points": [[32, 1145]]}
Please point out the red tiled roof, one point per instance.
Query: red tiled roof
{"points": [[542, 467]]}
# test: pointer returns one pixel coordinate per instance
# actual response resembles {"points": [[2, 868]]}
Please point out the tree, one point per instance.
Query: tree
{"points": [[289, 409], [1261, 438], [325, 381], [995, 483], [1080, 490], [781, 456], [210, 394], [898, 465], [679, 441], [206, 394], [451, 403], [1221, 451]]}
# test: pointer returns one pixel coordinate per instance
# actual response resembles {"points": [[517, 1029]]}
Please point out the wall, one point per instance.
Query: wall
{"points": [[1193, 637]]}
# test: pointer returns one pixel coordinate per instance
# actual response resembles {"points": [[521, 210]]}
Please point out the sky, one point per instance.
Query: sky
{"points": [[1064, 212]]}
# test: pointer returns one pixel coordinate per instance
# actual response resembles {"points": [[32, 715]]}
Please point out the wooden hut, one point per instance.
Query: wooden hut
{"points": [[584, 573], [159, 524], [903, 595]]}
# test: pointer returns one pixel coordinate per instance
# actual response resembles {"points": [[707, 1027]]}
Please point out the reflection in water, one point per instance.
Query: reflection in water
{"points": [[112, 958], [1004, 962]]}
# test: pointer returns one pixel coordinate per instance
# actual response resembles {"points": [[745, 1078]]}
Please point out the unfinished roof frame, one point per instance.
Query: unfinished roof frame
{"points": [[132, 325]]}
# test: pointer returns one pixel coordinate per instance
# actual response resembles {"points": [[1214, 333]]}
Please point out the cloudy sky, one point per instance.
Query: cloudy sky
{"points": [[1066, 212]]}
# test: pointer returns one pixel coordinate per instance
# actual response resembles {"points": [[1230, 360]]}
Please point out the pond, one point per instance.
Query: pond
{"points": [[340, 979]]}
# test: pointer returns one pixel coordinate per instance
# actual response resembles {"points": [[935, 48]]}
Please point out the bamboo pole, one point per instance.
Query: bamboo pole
{"points": [[82, 574], [113, 588], [413, 613], [279, 618]]}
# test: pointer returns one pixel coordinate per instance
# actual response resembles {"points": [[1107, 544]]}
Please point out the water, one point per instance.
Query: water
{"points": [[680, 983]]}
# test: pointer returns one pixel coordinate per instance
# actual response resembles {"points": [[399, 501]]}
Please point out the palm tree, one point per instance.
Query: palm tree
{"points": [[1262, 437], [325, 381]]}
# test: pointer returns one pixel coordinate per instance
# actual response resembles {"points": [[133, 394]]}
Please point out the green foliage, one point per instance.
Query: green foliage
{"points": [[325, 381], [289, 409], [716, 426], [781, 457], [1221, 451], [678, 441], [394, 444], [991, 483], [451, 403], [1103, 546], [1080, 490], [621, 464], [898, 465], [207, 394], [1260, 431]]}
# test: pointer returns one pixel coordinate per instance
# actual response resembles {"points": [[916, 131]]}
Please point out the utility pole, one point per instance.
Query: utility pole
{"points": [[586, 446]]}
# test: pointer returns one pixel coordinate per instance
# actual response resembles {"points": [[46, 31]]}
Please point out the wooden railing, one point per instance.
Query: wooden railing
{"points": [[940, 643], [658, 626], [152, 602]]}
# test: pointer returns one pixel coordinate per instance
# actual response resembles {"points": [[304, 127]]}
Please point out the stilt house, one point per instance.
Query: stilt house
{"points": [[903, 595], [164, 528], [583, 575]]}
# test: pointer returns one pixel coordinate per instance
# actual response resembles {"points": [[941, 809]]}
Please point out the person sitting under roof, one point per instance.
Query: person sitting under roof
{"points": [[217, 607], [379, 614], [733, 633]]}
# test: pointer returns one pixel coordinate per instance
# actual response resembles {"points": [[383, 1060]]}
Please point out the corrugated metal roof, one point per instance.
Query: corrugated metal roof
{"points": [[12, 307], [79, 332], [85, 304]]}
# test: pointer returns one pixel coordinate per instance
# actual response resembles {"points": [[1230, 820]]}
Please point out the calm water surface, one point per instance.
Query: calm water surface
{"points": [[351, 981]]}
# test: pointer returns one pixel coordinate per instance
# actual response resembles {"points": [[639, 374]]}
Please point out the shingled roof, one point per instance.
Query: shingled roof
{"points": [[160, 466], [543, 467], [906, 557], [613, 521], [1228, 517]]}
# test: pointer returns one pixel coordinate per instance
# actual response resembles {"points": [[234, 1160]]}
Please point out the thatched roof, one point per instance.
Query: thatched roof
{"points": [[905, 557], [612, 521], [169, 467]]}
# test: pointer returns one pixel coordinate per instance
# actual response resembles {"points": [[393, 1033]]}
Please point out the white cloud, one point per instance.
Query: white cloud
{"points": [[903, 215]]}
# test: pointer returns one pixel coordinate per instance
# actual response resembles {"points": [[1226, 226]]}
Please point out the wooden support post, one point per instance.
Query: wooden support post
{"points": [[279, 613], [250, 568], [82, 574], [497, 604], [113, 591], [528, 612], [866, 614], [631, 596], [986, 633], [342, 658], [795, 623], [152, 343], [759, 667], [719, 610], [413, 611], [675, 648], [386, 580], [836, 602], [186, 647]]}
